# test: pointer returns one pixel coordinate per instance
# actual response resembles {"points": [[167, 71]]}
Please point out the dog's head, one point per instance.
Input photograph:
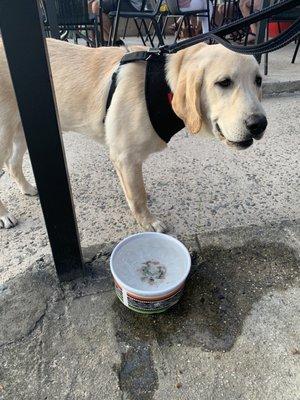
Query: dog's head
{"points": [[219, 91]]}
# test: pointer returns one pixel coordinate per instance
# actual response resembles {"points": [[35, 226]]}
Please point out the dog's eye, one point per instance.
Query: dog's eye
{"points": [[225, 83], [258, 80]]}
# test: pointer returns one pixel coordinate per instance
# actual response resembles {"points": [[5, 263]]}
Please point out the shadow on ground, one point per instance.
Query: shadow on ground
{"points": [[80, 323], [220, 292]]}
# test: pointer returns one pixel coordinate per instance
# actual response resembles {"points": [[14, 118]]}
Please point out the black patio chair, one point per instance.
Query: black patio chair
{"points": [[145, 7], [74, 16], [184, 16], [143, 15], [229, 11], [162, 13], [290, 15]]}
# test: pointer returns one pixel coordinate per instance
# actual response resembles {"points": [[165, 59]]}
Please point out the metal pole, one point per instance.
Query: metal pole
{"points": [[101, 35], [261, 29], [29, 67], [116, 23], [52, 19]]}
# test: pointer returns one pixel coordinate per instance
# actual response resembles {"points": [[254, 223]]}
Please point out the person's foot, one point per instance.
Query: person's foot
{"points": [[119, 43], [251, 38], [198, 29]]}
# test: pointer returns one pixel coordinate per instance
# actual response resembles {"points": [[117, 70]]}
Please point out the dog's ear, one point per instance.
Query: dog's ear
{"points": [[186, 100]]}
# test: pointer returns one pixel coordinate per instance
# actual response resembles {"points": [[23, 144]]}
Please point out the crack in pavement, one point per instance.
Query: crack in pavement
{"points": [[36, 324]]}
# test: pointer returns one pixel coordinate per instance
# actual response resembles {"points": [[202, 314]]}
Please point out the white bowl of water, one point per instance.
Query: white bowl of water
{"points": [[150, 270]]}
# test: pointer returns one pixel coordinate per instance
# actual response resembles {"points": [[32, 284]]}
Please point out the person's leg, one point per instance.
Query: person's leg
{"points": [[106, 26], [256, 7], [219, 14], [109, 6], [94, 9], [245, 7], [196, 5], [204, 20]]}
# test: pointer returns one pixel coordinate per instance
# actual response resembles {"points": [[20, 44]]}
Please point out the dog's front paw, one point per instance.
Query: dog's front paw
{"points": [[29, 190], [154, 226], [7, 221]]}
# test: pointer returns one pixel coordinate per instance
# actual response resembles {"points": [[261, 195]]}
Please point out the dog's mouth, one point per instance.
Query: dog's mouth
{"points": [[237, 145]]}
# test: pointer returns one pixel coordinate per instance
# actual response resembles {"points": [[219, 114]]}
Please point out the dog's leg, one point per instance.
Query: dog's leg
{"points": [[7, 220], [131, 178], [14, 165]]}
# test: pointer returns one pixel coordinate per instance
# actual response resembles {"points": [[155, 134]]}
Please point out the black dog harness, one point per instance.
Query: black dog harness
{"points": [[157, 93]]}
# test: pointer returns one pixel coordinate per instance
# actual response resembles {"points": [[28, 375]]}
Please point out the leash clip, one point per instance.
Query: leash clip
{"points": [[153, 51]]}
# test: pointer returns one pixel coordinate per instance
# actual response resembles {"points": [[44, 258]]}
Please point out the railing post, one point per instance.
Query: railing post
{"points": [[261, 29], [29, 67], [116, 24], [52, 19]]}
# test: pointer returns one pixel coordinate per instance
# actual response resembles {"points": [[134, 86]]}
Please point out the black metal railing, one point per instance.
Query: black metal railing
{"points": [[29, 67]]}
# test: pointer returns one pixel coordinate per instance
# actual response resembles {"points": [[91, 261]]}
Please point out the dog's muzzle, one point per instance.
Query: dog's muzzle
{"points": [[256, 125]]}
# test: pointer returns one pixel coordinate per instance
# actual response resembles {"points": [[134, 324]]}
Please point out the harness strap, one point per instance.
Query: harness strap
{"points": [[158, 94], [159, 100], [127, 58], [113, 86], [136, 56]]}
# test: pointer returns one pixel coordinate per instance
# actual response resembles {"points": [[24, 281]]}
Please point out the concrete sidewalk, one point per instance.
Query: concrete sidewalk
{"points": [[234, 335], [283, 76]]}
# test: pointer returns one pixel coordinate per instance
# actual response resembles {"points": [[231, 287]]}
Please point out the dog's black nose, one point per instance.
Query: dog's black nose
{"points": [[256, 124]]}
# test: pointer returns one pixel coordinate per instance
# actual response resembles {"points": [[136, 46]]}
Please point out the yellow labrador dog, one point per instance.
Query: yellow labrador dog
{"points": [[215, 92]]}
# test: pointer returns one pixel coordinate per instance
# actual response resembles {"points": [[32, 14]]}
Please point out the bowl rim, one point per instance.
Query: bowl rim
{"points": [[150, 293]]}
